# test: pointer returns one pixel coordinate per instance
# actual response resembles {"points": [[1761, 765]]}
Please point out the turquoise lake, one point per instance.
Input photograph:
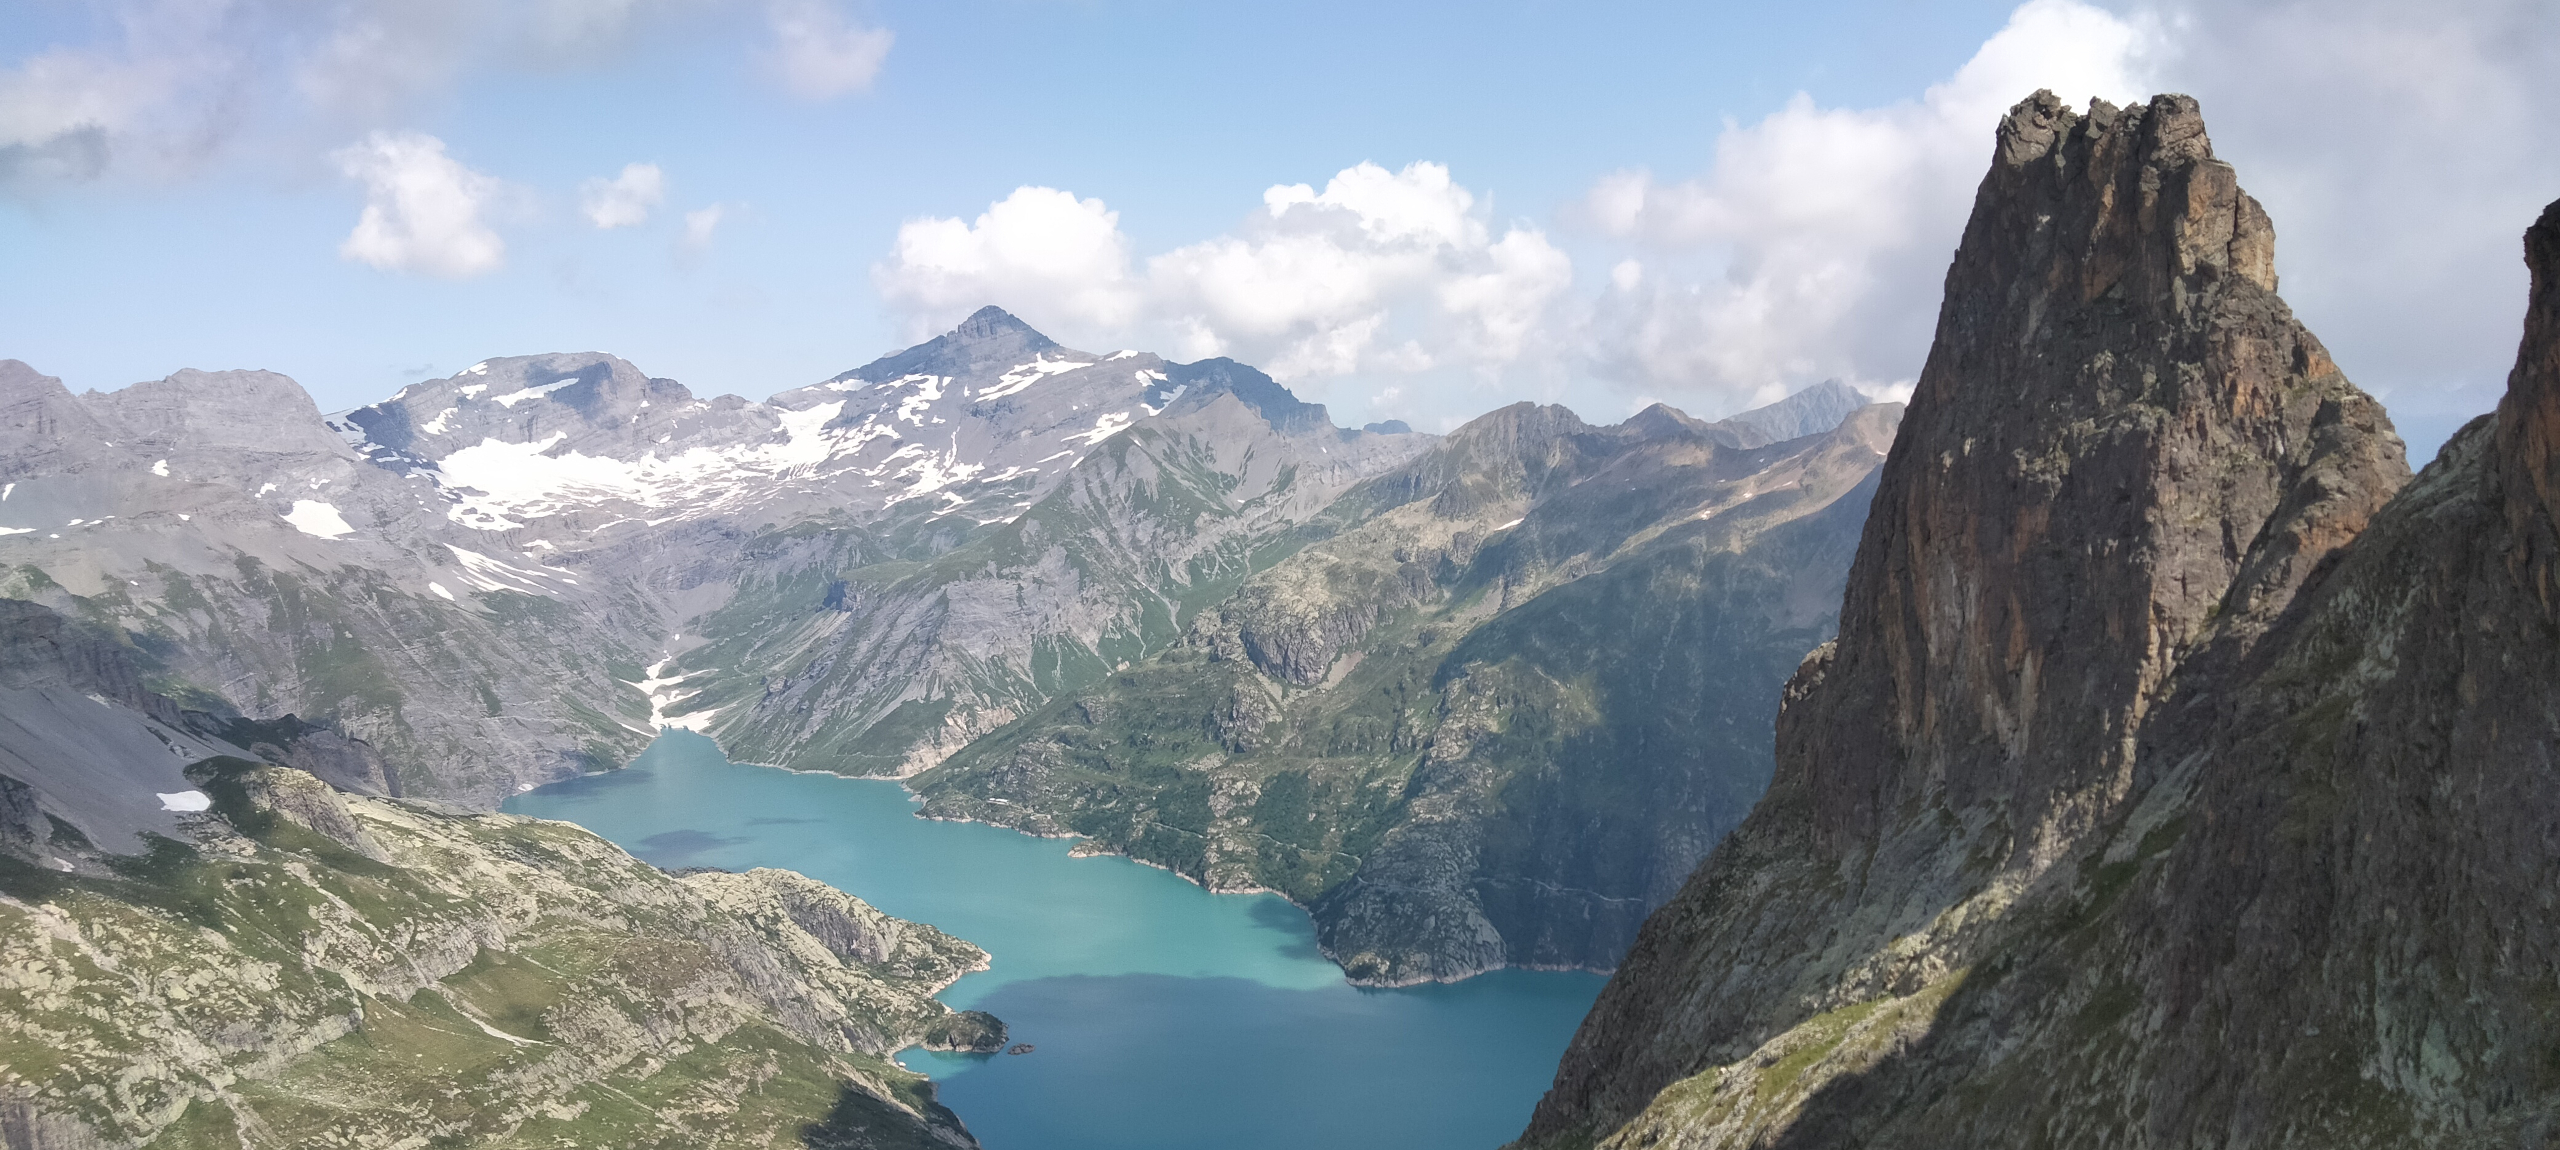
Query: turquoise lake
{"points": [[1167, 1018]]}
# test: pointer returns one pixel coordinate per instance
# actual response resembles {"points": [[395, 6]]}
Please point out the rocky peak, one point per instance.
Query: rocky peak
{"points": [[2528, 427], [43, 430], [990, 338], [252, 411], [1812, 411], [591, 400], [2115, 405], [1192, 384], [2121, 446], [1663, 420]]}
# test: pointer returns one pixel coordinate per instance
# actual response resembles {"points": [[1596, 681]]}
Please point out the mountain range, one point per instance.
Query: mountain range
{"points": [[2118, 747], [1166, 607]]}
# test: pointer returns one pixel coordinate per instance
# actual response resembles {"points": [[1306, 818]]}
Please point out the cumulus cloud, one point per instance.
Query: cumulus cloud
{"points": [[820, 53], [1041, 252], [1814, 244], [422, 209], [623, 201], [1380, 273], [2401, 149], [1812, 247]]}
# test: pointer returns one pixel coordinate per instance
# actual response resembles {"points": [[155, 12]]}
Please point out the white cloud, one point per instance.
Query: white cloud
{"points": [[623, 201], [1040, 252], [821, 53], [2400, 149], [422, 208], [1381, 272], [1815, 243]]}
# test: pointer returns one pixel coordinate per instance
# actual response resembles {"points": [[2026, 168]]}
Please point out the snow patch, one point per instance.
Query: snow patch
{"points": [[931, 471], [1103, 428], [313, 517], [160, 469], [480, 368], [184, 800], [5, 489], [515, 397], [1169, 397], [1024, 375], [1512, 524], [928, 390], [17, 530], [471, 391], [438, 588], [511, 480], [665, 691], [443, 422], [262, 491], [489, 574]]}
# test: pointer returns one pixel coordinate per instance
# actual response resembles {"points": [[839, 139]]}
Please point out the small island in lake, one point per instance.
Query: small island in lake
{"points": [[966, 1031]]}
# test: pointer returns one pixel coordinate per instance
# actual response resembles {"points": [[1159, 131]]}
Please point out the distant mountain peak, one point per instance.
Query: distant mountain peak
{"points": [[1812, 411], [992, 322], [991, 336]]}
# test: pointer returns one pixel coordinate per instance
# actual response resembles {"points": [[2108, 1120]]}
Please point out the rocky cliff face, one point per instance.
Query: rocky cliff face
{"points": [[2124, 464], [1492, 709]]}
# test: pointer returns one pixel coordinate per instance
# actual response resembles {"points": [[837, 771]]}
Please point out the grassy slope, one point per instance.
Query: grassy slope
{"points": [[466, 980]]}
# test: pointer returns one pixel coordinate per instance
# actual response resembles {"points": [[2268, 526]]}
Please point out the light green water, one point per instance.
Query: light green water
{"points": [[1165, 1016]]}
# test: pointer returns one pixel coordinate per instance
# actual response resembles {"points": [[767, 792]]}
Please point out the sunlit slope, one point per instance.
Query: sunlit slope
{"points": [[838, 654], [1491, 713]]}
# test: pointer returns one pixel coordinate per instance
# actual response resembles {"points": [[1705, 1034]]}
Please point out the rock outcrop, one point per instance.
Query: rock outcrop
{"points": [[1999, 891]]}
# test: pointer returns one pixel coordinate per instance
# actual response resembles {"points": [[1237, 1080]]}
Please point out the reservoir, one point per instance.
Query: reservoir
{"points": [[1166, 1017]]}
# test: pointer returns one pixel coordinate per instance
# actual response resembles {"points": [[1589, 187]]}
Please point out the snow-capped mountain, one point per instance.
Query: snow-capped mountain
{"points": [[979, 422], [536, 536]]}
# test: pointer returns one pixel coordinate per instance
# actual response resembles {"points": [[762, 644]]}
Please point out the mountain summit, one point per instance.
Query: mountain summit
{"points": [[1970, 909], [990, 337]]}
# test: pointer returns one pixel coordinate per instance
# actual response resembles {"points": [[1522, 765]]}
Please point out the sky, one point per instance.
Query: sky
{"points": [[1418, 211]]}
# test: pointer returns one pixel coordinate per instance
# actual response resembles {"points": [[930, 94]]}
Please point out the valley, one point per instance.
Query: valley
{"points": [[1166, 608], [2116, 745]]}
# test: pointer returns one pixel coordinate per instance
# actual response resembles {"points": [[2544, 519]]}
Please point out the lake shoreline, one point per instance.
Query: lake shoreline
{"points": [[1115, 973]]}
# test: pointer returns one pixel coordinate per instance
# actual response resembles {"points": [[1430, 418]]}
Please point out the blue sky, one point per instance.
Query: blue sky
{"points": [[1704, 204]]}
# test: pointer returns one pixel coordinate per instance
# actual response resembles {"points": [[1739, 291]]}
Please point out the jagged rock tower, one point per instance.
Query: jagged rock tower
{"points": [[2165, 787]]}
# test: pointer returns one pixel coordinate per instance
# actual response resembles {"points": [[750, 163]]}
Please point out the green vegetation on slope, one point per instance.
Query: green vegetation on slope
{"points": [[1492, 715], [324, 970]]}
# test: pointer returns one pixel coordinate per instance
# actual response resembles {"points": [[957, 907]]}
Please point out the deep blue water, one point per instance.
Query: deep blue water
{"points": [[1167, 1018]]}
